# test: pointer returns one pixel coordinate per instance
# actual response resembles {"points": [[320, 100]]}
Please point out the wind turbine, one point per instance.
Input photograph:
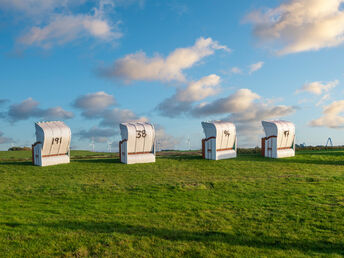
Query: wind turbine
{"points": [[157, 144], [109, 146], [92, 144], [188, 143]]}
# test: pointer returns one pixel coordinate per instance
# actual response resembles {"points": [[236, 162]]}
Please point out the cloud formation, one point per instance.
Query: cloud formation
{"points": [[29, 109], [37, 7], [51, 22], [99, 135], [239, 101], [323, 99], [246, 109], [4, 139], [115, 116], [300, 25], [248, 122], [66, 28], [200, 89], [93, 104], [182, 100], [3, 101], [318, 88], [255, 67], [164, 140], [332, 116], [236, 70], [98, 106], [140, 67]]}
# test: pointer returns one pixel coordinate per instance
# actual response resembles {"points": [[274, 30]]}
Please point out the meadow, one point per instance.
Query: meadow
{"points": [[181, 205]]}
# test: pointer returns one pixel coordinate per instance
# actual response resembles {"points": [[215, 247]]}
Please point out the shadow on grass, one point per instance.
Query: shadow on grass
{"points": [[302, 159], [105, 161], [322, 152], [314, 162], [16, 163], [29, 163], [181, 157], [206, 236], [258, 158], [11, 224], [115, 159]]}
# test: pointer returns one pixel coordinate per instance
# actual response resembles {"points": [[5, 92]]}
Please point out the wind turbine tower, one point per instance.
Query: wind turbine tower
{"points": [[109, 146], [188, 143], [92, 144]]}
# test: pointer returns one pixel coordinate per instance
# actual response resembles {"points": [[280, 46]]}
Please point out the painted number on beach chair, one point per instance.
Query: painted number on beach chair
{"points": [[57, 140], [141, 133], [226, 133]]}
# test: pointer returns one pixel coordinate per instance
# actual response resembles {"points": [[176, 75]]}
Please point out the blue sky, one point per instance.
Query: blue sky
{"points": [[174, 63]]}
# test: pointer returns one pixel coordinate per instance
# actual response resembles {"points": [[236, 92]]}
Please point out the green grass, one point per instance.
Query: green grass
{"points": [[27, 155], [178, 206]]}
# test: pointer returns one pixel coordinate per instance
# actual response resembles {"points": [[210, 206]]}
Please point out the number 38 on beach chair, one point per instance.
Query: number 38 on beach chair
{"points": [[138, 143]]}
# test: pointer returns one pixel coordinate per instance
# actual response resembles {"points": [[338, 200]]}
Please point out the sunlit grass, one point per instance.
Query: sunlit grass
{"points": [[180, 205]]}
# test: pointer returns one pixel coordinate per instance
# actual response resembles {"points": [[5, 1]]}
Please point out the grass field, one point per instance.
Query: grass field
{"points": [[179, 206]]}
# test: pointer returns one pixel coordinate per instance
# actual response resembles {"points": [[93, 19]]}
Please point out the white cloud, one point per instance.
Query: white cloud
{"points": [[255, 67], [140, 67], [301, 25], [246, 109], [239, 101], [332, 116], [200, 89], [318, 87], [115, 116], [37, 7], [195, 91], [94, 103], [23, 110], [66, 28], [97, 106], [164, 140], [4, 139], [29, 108], [248, 122], [54, 113], [236, 70], [49, 23], [99, 135], [323, 99]]}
